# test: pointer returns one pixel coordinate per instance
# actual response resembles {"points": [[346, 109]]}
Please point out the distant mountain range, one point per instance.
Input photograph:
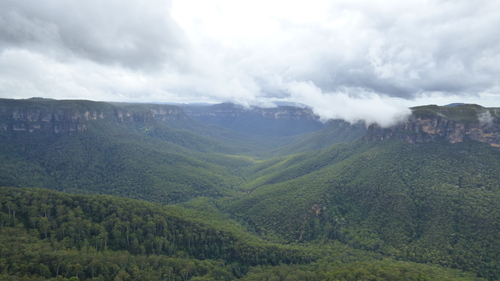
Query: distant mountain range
{"points": [[455, 104]]}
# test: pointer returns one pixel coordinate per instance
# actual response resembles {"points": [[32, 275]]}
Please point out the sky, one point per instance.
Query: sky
{"points": [[353, 59]]}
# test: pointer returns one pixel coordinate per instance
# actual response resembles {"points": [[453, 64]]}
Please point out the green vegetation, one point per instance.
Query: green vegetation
{"points": [[463, 112], [373, 270], [255, 121], [114, 160], [46, 234], [433, 203], [336, 131], [222, 204], [51, 105]]}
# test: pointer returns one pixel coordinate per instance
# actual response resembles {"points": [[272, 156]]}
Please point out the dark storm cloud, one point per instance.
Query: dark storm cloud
{"points": [[133, 34]]}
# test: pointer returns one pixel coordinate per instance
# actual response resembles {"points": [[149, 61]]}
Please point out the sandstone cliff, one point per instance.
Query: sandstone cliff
{"points": [[452, 124], [280, 121], [70, 116], [231, 110]]}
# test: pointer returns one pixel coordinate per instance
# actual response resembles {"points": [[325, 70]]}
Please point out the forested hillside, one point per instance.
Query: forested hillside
{"points": [[434, 203], [46, 234], [416, 201], [132, 150], [115, 160]]}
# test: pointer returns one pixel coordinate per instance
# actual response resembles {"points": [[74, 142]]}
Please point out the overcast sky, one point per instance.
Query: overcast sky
{"points": [[364, 59]]}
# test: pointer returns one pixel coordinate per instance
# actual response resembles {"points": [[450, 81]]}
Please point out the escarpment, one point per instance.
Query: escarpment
{"points": [[71, 116], [451, 124], [277, 121], [232, 110]]}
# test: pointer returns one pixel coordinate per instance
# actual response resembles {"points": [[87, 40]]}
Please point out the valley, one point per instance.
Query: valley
{"points": [[117, 191]]}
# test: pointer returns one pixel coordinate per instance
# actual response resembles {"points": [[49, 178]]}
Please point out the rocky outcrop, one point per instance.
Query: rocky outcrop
{"points": [[272, 122], [232, 110], [148, 113], [433, 123], [72, 116], [56, 120]]}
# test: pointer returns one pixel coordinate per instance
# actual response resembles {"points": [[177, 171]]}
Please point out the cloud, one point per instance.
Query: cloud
{"points": [[79, 79], [412, 49], [485, 118], [132, 34], [366, 107], [357, 60]]}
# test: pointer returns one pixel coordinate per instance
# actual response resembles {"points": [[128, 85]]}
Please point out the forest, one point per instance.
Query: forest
{"points": [[48, 234], [148, 193]]}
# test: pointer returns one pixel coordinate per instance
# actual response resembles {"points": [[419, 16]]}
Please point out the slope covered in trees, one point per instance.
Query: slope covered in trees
{"points": [[435, 202], [46, 234], [56, 145], [257, 207], [114, 160], [275, 122], [335, 131], [143, 151]]}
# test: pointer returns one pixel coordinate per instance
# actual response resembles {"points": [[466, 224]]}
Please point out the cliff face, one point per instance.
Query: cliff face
{"points": [[231, 110], [148, 113], [279, 121], [72, 116], [57, 120], [433, 123]]}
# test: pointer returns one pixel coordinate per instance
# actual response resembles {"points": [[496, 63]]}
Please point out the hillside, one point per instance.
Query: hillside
{"points": [[335, 131], [289, 130], [248, 200], [89, 147], [278, 121], [46, 234], [143, 151], [167, 122], [430, 201]]}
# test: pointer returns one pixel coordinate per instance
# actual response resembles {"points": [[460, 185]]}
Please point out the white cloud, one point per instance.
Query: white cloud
{"points": [[365, 107], [485, 118]]}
